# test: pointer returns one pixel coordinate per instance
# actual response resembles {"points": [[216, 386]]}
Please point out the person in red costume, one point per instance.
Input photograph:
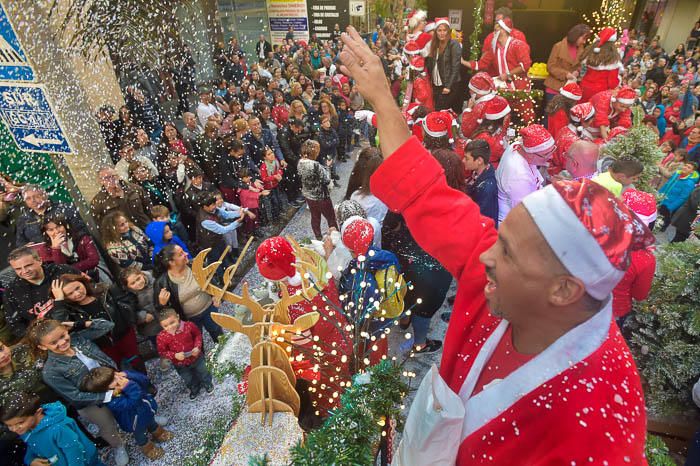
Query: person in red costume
{"points": [[420, 92], [637, 281], [580, 117], [500, 14], [612, 108], [534, 370], [483, 90], [494, 128], [510, 58], [558, 108], [603, 65], [275, 259]]}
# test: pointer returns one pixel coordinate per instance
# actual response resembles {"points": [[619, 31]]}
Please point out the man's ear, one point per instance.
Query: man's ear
{"points": [[566, 290]]}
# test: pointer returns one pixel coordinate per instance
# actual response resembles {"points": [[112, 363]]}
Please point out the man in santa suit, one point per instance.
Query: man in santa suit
{"points": [[518, 173], [534, 371], [415, 22], [500, 14], [508, 60], [580, 117], [483, 90], [612, 108]]}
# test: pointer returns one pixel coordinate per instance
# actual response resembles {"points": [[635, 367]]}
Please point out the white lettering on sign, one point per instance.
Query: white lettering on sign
{"points": [[18, 98]]}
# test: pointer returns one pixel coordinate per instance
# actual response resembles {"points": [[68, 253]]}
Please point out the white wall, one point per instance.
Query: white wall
{"points": [[678, 19]]}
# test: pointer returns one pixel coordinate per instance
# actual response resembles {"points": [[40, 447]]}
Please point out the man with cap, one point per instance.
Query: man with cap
{"points": [[534, 370], [483, 90], [518, 174], [612, 108]]}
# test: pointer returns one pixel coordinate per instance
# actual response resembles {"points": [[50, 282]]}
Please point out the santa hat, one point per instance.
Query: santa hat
{"points": [[417, 63], [357, 234], [339, 79], [571, 91], [482, 83], [420, 45], [411, 48], [430, 27], [496, 108], [625, 95], [366, 115], [506, 24], [412, 107], [441, 21], [643, 204], [536, 138], [415, 17], [589, 230], [438, 124], [608, 34], [615, 132], [581, 112], [275, 258]]}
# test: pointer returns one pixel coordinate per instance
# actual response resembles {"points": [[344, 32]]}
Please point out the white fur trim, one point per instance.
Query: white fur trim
{"points": [[295, 280], [442, 21], [625, 101], [476, 90], [611, 66], [485, 97], [647, 219], [541, 147], [416, 68], [596, 49], [572, 243], [498, 115], [504, 26], [613, 38], [435, 134], [348, 221], [569, 95]]}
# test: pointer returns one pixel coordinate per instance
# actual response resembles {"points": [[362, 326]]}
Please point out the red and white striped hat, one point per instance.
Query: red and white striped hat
{"points": [[625, 95], [496, 108], [571, 91], [482, 83], [438, 124], [581, 112], [536, 139]]}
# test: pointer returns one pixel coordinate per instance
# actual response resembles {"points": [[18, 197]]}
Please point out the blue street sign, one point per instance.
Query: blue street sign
{"points": [[13, 62], [32, 122]]}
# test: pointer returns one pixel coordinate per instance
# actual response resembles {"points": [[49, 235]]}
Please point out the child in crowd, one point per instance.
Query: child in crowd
{"points": [[52, 437], [216, 228], [160, 213], [314, 186], [161, 235], [676, 191], [345, 122], [271, 175], [328, 140], [181, 343], [131, 405], [251, 197], [621, 174]]}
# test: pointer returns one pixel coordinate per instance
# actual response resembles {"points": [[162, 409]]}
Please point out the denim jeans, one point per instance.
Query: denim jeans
{"points": [[421, 325], [204, 321], [141, 432], [195, 375]]}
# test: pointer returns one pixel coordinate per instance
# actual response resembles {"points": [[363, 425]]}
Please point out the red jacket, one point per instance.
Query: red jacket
{"points": [[488, 43], [471, 116], [280, 115], [517, 54], [268, 179], [591, 410], [636, 282], [88, 257], [185, 339], [557, 121], [423, 92], [599, 79], [605, 115]]}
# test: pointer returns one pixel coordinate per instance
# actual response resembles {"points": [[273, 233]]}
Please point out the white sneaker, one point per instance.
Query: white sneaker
{"points": [[161, 420], [121, 457]]}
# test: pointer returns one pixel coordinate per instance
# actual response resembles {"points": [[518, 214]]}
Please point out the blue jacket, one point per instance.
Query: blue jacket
{"points": [[677, 190], [484, 191], [134, 407], [58, 439], [154, 231]]}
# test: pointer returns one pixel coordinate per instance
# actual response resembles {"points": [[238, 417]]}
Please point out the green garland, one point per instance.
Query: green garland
{"points": [[657, 452], [350, 434], [475, 50], [534, 94], [212, 438]]}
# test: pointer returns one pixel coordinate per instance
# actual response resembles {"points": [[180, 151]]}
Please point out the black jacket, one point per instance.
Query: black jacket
{"points": [[267, 48], [29, 223], [164, 282], [24, 301], [448, 64], [290, 144], [683, 217]]}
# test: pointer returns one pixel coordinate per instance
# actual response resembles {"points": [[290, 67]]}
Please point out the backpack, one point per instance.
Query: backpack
{"points": [[393, 304]]}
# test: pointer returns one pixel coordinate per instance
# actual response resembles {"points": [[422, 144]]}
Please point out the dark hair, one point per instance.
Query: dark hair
{"points": [[163, 259], [208, 200], [243, 172], [21, 252], [37, 330], [558, 102], [431, 143], [577, 31], [628, 167], [682, 152], [369, 159], [108, 228], [690, 162], [19, 404], [56, 219], [607, 55], [124, 275], [479, 149], [93, 289], [454, 170], [97, 380], [235, 145], [166, 313], [503, 11]]}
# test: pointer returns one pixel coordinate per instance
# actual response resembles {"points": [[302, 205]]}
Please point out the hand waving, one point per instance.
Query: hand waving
{"points": [[363, 66]]}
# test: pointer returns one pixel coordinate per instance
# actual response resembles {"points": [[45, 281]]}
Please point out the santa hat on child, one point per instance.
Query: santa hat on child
{"points": [[625, 95], [440, 21], [608, 34], [275, 258], [417, 63], [438, 124], [571, 91], [643, 204], [357, 234], [582, 112], [590, 231], [536, 138], [482, 84], [496, 109]]}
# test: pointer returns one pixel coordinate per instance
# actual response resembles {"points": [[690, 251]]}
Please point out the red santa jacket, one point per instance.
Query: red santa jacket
{"points": [[636, 283], [587, 405], [497, 144], [517, 53], [605, 115], [564, 139], [488, 44], [557, 121], [423, 91], [471, 117], [600, 78]]}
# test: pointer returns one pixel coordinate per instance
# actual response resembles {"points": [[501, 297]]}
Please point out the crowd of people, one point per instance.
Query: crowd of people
{"points": [[268, 136]]}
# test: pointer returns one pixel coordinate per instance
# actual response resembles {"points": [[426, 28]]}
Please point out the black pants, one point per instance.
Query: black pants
{"points": [[665, 214]]}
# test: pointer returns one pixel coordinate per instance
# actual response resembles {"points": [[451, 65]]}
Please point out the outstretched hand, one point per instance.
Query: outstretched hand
{"points": [[364, 67]]}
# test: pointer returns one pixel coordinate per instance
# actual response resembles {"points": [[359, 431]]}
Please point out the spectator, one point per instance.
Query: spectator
{"points": [[290, 139], [209, 152], [116, 194], [368, 160], [127, 156], [144, 147], [676, 191], [192, 129], [481, 185], [207, 107], [125, 242], [38, 207], [314, 181], [64, 246]]}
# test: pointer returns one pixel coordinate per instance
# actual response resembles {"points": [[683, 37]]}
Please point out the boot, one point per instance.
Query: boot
{"points": [[161, 435], [151, 451]]}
